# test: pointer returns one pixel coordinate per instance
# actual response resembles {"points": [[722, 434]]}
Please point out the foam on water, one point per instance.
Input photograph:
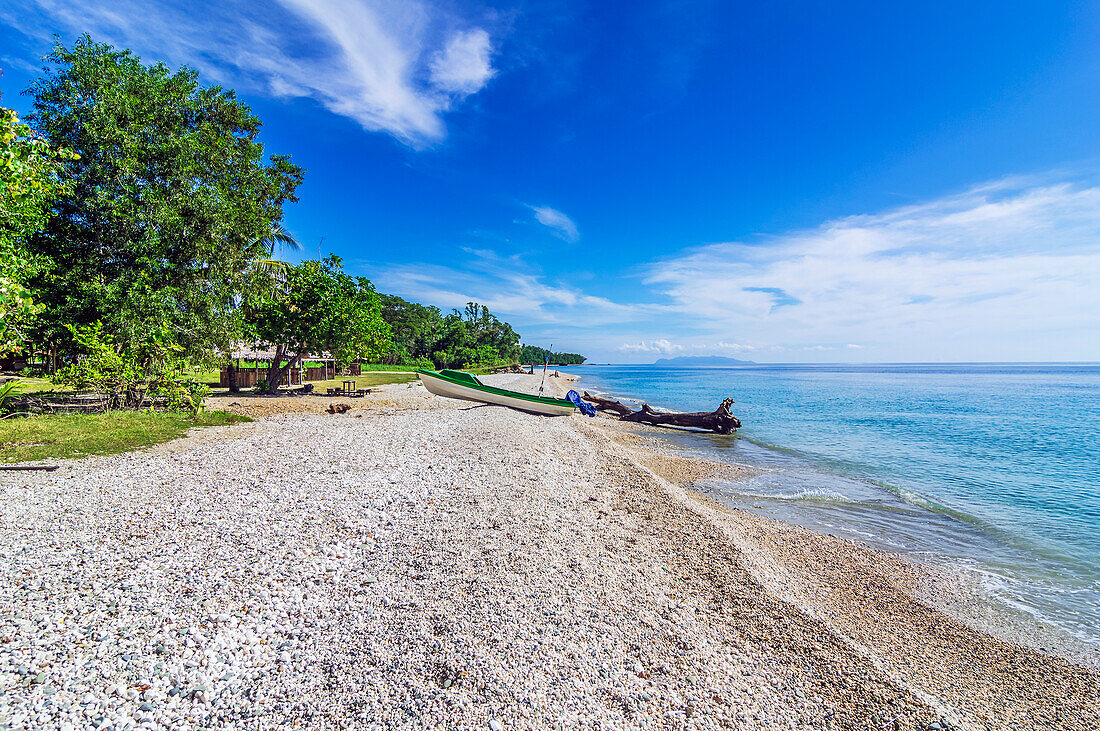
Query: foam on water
{"points": [[991, 469]]}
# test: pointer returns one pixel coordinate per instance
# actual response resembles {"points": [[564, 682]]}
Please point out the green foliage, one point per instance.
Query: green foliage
{"points": [[29, 183], [183, 394], [8, 391], [101, 367], [144, 207], [261, 386], [415, 330], [167, 206], [533, 354], [106, 367], [314, 307], [424, 336]]}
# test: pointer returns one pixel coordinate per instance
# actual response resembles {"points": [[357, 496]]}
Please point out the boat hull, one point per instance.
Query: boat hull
{"points": [[449, 389]]}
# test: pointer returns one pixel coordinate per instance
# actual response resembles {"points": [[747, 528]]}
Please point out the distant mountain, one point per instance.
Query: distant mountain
{"points": [[702, 360]]}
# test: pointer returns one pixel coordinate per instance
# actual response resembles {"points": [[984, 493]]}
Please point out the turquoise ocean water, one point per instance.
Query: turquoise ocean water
{"points": [[991, 468]]}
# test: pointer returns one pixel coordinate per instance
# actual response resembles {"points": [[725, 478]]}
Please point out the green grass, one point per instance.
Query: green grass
{"points": [[72, 436], [34, 386], [384, 367], [367, 380]]}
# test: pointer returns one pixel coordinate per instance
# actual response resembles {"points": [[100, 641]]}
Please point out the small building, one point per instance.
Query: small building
{"points": [[252, 364]]}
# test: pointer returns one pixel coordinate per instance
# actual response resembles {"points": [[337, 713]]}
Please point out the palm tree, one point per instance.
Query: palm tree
{"points": [[261, 258], [277, 236]]}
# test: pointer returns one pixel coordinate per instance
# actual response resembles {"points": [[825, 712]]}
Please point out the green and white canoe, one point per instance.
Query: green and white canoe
{"points": [[466, 386]]}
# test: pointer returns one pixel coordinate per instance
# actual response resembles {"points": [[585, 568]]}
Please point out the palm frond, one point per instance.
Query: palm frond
{"points": [[8, 391], [279, 236]]}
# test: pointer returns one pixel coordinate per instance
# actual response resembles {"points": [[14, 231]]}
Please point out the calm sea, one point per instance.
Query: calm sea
{"points": [[993, 468]]}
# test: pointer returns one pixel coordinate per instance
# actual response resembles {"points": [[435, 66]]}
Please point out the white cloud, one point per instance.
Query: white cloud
{"points": [[464, 65], [660, 345], [1009, 270], [383, 63], [506, 286], [560, 224]]}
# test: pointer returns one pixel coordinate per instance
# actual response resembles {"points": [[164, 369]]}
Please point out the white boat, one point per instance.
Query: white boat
{"points": [[466, 386]]}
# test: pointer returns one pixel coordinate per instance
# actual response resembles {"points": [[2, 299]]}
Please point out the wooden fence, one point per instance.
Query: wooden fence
{"points": [[247, 377]]}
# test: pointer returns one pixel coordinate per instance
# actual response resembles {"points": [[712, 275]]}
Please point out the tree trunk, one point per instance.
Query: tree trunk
{"points": [[720, 420], [276, 374], [603, 404], [231, 371]]}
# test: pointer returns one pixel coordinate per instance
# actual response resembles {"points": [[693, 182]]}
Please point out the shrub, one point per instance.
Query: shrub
{"points": [[106, 368]]}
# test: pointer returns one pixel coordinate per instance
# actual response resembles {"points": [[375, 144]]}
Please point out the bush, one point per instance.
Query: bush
{"points": [[185, 394], [105, 368], [261, 386]]}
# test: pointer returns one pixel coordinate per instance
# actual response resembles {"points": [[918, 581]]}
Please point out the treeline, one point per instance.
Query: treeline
{"points": [[140, 221], [422, 335], [533, 354]]}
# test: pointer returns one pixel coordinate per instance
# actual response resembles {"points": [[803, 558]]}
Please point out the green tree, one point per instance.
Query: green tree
{"points": [[314, 308], [169, 203], [29, 183], [533, 354], [475, 337], [416, 329]]}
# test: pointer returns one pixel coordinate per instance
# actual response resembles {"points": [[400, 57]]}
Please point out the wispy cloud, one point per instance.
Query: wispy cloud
{"points": [[559, 224], [394, 66], [507, 286], [1005, 269]]}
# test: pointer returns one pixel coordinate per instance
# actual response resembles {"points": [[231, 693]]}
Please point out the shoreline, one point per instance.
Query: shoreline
{"points": [[417, 561], [946, 582]]}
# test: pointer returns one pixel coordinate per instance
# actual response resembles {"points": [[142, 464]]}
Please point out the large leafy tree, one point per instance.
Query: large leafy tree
{"points": [[29, 183], [416, 329], [314, 308], [169, 203], [475, 337]]}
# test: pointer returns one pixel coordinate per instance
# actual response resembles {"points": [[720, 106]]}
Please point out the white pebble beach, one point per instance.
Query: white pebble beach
{"points": [[421, 563]]}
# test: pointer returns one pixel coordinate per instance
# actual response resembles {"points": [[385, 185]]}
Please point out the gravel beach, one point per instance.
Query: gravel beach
{"points": [[426, 563]]}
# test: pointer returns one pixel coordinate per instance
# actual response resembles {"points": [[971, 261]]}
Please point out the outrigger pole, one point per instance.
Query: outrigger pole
{"points": [[545, 365]]}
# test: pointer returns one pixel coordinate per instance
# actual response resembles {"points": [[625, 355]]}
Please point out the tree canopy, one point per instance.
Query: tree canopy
{"points": [[315, 308], [535, 354], [169, 200], [473, 336], [29, 184]]}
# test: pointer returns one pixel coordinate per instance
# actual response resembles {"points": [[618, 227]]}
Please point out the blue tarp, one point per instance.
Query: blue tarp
{"points": [[586, 408]]}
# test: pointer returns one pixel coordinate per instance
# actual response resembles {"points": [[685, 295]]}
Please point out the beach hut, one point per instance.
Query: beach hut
{"points": [[251, 363]]}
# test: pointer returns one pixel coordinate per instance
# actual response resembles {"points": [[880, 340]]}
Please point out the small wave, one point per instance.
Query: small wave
{"points": [[820, 496]]}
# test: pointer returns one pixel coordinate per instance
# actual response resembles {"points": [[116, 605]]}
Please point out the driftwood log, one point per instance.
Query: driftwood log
{"points": [[603, 404], [720, 420]]}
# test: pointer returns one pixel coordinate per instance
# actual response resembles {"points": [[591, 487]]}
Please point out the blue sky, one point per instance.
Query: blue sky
{"points": [[781, 181]]}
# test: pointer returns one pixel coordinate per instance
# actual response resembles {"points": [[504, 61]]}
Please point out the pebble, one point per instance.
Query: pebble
{"points": [[216, 582]]}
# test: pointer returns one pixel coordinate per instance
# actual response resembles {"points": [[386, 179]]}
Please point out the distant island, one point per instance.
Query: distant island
{"points": [[702, 360]]}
